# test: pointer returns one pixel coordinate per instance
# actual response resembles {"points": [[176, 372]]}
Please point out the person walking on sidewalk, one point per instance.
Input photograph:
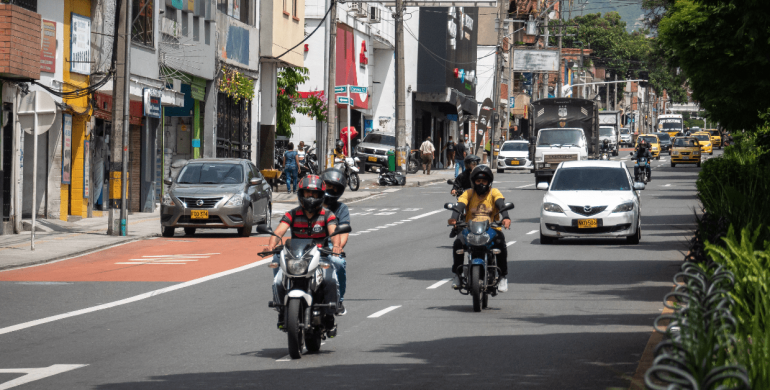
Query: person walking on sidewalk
{"points": [[450, 152], [426, 151], [290, 166], [460, 153]]}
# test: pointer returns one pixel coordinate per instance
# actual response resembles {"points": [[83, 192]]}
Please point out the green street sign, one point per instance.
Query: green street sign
{"points": [[340, 89], [355, 89], [344, 100]]}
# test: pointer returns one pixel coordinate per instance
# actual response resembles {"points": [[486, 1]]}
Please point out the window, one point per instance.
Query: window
{"points": [[294, 10], [207, 32], [211, 174], [239, 9], [591, 179], [142, 28], [170, 13], [196, 29], [185, 24], [286, 7]]}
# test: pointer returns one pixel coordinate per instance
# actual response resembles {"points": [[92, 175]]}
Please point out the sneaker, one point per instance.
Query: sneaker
{"points": [[502, 285], [341, 310], [456, 282]]}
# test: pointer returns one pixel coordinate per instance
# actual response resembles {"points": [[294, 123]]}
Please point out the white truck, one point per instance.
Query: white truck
{"points": [[609, 129]]}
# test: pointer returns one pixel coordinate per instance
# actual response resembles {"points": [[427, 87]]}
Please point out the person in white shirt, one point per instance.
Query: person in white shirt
{"points": [[426, 151]]}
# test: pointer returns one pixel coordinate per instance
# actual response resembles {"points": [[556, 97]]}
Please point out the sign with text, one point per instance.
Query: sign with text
{"points": [[344, 100], [80, 44], [356, 89], [66, 155], [535, 60], [48, 47], [151, 98]]}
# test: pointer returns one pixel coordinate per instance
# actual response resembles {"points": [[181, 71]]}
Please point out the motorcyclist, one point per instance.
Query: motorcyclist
{"points": [[463, 180], [338, 150], [605, 146], [334, 179], [482, 201], [643, 150], [300, 219]]}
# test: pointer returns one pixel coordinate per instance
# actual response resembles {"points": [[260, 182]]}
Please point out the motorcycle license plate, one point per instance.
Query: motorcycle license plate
{"points": [[371, 158], [587, 223], [515, 162], [199, 214]]}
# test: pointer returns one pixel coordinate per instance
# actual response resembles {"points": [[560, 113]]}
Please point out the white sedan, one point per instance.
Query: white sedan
{"points": [[591, 199], [514, 155]]}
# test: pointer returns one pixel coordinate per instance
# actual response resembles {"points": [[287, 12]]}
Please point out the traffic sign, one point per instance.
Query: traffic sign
{"points": [[340, 89], [356, 89], [344, 100]]}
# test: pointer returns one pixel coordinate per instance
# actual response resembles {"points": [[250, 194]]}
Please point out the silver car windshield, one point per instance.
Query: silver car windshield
{"points": [[561, 137], [515, 147], [605, 131], [591, 179], [211, 173]]}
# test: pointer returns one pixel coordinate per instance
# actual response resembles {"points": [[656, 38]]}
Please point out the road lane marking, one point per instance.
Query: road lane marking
{"points": [[426, 214], [33, 374], [667, 185], [167, 259], [135, 298], [392, 190], [437, 284], [509, 243], [383, 312], [533, 232], [151, 263], [528, 185]]}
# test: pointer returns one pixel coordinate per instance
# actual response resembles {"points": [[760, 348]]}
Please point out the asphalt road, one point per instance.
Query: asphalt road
{"points": [[578, 314]]}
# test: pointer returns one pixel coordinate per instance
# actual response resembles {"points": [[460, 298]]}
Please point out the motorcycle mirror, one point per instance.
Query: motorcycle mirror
{"points": [[341, 229], [264, 229], [506, 207], [449, 206], [450, 182]]}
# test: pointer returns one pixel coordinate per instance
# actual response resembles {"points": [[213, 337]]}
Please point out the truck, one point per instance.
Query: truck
{"points": [[609, 129], [561, 129]]}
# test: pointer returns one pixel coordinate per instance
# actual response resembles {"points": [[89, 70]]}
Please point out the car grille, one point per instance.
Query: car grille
{"points": [[581, 211], [210, 219], [685, 153], [557, 158], [597, 230], [192, 203], [367, 150], [380, 152]]}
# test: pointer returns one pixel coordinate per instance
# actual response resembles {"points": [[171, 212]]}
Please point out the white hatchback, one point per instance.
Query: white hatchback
{"points": [[591, 199], [514, 155]]}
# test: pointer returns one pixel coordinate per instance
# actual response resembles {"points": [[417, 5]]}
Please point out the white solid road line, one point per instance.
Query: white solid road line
{"points": [[383, 312], [135, 298], [667, 185], [437, 284], [153, 263], [528, 185], [509, 243], [33, 374], [426, 214], [533, 232]]}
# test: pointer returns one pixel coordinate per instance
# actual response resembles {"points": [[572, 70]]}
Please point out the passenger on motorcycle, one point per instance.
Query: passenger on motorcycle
{"points": [[463, 180], [643, 150], [482, 201], [338, 148], [334, 179], [309, 220]]}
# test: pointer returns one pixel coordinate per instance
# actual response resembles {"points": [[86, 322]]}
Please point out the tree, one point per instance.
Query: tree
{"points": [[722, 47], [289, 101]]}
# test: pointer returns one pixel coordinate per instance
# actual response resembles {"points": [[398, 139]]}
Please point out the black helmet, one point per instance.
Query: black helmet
{"points": [[606, 141], [315, 184], [482, 171], [472, 158], [339, 145], [334, 180]]}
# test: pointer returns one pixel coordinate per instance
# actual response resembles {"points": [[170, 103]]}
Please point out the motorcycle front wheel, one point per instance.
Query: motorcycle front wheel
{"points": [[476, 287], [295, 332], [353, 181], [313, 342], [412, 166]]}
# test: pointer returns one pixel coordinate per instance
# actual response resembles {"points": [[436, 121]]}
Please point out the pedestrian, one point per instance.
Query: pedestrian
{"points": [[450, 152], [468, 144], [290, 166], [426, 151], [460, 153]]}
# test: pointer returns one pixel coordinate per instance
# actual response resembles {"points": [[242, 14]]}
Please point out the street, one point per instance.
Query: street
{"points": [[191, 312]]}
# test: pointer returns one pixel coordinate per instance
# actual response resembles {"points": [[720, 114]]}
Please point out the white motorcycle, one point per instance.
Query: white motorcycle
{"points": [[303, 274], [350, 166]]}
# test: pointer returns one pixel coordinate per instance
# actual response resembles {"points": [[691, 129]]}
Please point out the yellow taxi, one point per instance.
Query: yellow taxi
{"points": [[673, 134], [685, 150], [654, 144], [704, 139], [716, 138]]}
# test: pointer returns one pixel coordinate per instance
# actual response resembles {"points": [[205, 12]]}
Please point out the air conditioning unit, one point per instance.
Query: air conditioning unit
{"points": [[375, 14], [359, 9]]}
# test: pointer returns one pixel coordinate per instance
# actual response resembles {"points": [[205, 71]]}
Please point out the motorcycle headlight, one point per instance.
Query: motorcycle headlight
{"points": [[235, 201], [625, 207], [297, 267], [478, 239], [552, 207], [167, 200]]}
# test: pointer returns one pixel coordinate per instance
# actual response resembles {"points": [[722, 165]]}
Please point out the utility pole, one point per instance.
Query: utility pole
{"points": [[498, 82], [120, 128], [401, 149], [607, 96], [615, 96], [331, 97]]}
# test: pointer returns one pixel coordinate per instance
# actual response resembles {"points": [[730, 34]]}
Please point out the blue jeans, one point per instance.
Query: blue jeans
{"points": [[459, 166], [291, 177], [339, 266]]}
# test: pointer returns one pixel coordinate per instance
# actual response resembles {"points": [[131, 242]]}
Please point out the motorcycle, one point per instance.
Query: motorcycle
{"points": [[605, 155], [350, 166], [641, 170], [480, 274], [303, 269], [308, 166]]}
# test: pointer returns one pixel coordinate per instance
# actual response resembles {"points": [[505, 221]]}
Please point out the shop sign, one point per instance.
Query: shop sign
{"points": [[48, 47], [151, 102], [80, 44], [198, 88], [362, 58], [86, 169], [66, 156]]}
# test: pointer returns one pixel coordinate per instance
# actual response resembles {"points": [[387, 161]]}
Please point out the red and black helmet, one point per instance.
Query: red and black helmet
{"points": [[311, 204]]}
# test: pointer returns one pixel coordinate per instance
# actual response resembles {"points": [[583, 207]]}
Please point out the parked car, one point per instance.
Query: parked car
{"points": [[514, 155], [685, 151], [591, 198], [216, 193]]}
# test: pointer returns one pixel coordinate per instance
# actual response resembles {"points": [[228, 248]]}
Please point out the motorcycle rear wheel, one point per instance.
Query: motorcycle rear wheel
{"points": [[295, 332], [476, 287], [354, 181], [412, 166]]}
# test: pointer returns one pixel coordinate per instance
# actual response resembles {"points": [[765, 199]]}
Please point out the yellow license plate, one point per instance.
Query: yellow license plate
{"points": [[199, 214], [515, 162], [587, 223], [372, 158]]}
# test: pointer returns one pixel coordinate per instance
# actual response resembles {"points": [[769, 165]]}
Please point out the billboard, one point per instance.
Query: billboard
{"points": [[447, 54], [535, 61]]}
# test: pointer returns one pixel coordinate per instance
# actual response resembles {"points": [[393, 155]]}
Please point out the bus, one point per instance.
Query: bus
{"points": [[673, 124]]}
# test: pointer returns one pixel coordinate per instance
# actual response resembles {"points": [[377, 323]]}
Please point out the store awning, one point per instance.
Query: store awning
{"points": [[450, 96]]}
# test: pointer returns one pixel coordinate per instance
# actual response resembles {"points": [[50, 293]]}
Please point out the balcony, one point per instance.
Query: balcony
{"points": [[19, 42]]}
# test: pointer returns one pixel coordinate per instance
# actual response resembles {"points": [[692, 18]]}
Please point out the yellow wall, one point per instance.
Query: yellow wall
{"points": [[287, 32], [72, 195]]}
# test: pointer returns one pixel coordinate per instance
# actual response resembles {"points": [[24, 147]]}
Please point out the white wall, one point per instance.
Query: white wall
{"points": [[384, 90], [485, 71]]}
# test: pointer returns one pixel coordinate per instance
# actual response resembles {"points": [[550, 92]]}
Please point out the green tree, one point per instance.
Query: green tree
{"points": [[287, 94]]}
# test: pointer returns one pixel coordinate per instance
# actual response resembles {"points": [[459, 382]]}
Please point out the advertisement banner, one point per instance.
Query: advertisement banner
{"points": [[66, 156], [535, 61], [48, 47], [80, 44], [151, 98], [86, 169]]}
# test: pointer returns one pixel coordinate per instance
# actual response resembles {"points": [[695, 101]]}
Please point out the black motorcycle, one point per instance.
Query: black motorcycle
{"points": [[640, 168]]}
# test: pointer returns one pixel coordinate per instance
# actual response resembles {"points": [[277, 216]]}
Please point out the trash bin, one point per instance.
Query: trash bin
{"points": [[391, 160]]}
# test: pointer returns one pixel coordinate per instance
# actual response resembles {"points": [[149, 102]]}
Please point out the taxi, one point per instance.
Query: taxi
{"points": [[654, 144], [704, 139], [716, 138], [685, 150], [674, 133]]}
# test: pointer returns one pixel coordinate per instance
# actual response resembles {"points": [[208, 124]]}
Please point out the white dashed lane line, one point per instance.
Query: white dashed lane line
{"points": [[533, 232], [437, 284], [383, 312], [509, 243], [528, 185]]}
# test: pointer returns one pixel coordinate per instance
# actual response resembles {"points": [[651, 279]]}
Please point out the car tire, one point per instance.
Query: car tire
{"points": [[189, 231], [635, 238], [712, 153], [673, 165], [698, 165], [268, 215], [167, 231], [245, 231], [500, 170], [657, 158], [545, 240]]}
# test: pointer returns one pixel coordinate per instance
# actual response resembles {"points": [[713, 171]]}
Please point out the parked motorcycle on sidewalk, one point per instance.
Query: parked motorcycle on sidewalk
{"points": [[303, 263], [350, 167], [480, 273]]}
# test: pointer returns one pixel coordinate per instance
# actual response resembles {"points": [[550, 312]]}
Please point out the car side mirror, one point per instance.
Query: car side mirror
{"points": [[255, 181], [450, 182], [638, 186], [341, 229], [542, 185], [167, 181]]}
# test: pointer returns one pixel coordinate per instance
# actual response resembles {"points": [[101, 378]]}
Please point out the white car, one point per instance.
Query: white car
{"points": [[591, 199], [514, 155]]}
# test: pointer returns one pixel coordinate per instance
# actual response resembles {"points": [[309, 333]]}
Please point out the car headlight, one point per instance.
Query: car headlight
{"points": [[167, 200], [297, 267], [235, 201], [478, 239], [552, 207], [625, 207], [538, 158], [696, 153], [675, 152], [360, 149], [654, 148]]}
